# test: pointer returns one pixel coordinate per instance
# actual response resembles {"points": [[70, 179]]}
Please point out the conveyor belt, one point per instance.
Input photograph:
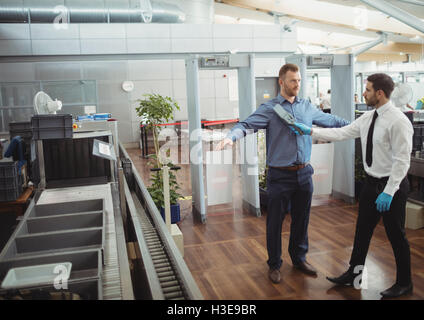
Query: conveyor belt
{"points": [[167, 275], [169, 283]]}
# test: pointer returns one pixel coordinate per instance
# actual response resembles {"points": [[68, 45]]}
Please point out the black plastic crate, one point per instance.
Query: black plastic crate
{"points": [[11, 194], [24, 134], [8, 168], [9, 183], [22, 128], [51, 126]]}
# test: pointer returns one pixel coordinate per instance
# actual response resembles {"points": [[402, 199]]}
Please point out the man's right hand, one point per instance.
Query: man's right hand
{"points": [[223, 143]]}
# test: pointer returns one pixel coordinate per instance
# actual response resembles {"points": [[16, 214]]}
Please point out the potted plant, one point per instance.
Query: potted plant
{"points": [[156, 192], [262, 168], [155, 109]]}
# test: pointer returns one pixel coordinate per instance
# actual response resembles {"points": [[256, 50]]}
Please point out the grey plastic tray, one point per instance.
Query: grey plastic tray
{"points": [[87, 290], [86, 268], [64, 228], [36, 275], [63, 222], [85, 264], [70, 231], [59, 240], [43, 210]]}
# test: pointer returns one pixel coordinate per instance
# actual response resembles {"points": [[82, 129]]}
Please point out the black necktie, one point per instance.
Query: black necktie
{"points": [[369, 140]]}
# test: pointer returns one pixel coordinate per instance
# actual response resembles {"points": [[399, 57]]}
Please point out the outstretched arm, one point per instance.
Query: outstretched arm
{"points": [[327, 120], [331, 134], [257, 120]]}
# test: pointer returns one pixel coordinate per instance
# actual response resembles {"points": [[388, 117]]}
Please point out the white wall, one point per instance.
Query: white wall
{"points": [[166, 77]]}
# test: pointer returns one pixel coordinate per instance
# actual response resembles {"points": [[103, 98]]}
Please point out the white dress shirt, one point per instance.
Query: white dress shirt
{"points": [[326, 102], [392, 143]]}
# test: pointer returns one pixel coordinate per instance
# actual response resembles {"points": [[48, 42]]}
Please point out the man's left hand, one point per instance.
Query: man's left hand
{"points": [[383, 202]]}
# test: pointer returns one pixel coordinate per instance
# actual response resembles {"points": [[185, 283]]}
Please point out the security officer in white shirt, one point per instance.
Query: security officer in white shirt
{"points": [[386, 138]]}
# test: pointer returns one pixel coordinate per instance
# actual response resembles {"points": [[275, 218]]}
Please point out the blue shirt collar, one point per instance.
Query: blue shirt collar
{"points": [[281, 99]]}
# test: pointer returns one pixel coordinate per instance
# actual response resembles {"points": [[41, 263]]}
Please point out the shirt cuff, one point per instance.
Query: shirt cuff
{"points": [[390, 189], [235, 134], [231, 136], [315, 131]]}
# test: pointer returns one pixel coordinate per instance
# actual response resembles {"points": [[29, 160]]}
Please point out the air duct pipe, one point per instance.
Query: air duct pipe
{"points": [[93, 11], [382, 39], [397, 13]]}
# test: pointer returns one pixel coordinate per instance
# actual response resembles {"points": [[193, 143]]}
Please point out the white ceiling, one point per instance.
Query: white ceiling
{"points": [[330, 24], [416, 10]]}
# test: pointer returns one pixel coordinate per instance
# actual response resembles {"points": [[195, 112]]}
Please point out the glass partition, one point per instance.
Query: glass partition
{"points": [[16, 98]]}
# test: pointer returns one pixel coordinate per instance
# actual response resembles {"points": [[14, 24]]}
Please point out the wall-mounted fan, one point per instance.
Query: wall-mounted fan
{"points": [[402, 95], [43, 104]]}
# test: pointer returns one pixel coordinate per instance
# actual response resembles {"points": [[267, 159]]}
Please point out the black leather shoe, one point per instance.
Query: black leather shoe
{"points": [[397, 291], [305, 267], [346, 279], [274, 275]]}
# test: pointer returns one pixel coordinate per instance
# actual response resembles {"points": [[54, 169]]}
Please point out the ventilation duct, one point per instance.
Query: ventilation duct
{"points": [[93, 11]]}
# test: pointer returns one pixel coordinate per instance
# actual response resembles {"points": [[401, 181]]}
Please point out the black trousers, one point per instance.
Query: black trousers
{"points": [[288, 191], [394, 222]]}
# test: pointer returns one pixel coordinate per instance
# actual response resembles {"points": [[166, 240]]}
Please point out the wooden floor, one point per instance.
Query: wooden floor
{"points": [[227, 255]]}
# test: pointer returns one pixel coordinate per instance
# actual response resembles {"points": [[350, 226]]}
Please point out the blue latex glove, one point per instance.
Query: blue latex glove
{"points": [[301, 126], [383, 202]]}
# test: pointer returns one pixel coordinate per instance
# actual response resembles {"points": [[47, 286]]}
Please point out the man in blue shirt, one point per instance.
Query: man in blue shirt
{"points": [[289, 179]]}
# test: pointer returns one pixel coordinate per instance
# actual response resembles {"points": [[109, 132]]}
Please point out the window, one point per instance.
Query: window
{"points": [[16, 99]]}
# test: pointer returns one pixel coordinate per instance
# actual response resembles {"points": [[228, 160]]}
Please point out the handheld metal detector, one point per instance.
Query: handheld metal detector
{"points": [[286, 117]]}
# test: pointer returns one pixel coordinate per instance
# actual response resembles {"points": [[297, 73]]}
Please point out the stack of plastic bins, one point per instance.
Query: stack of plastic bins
{"points": [[22, 129], [10, 180], [61, 232], [51, 126]]}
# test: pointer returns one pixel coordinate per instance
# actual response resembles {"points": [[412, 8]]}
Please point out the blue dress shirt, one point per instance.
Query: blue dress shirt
{"points": [[284, 147]]}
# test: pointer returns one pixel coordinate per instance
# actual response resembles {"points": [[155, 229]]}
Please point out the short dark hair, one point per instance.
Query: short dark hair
{"points": [[287, 67], [382, 81]]}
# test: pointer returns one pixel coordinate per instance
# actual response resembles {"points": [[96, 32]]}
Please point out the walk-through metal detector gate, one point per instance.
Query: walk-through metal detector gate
{"points": [[247, 104], [342, 104]]}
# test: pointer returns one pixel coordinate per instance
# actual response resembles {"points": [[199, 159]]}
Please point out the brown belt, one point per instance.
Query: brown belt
{"points": [[293, 168]]}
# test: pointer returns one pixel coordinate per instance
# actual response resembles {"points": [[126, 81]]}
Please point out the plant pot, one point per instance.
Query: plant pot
{"points": [[175, 213]]}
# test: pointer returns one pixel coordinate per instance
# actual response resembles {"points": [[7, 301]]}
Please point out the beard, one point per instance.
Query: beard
{"points": [[372, 101], [290, 92]]}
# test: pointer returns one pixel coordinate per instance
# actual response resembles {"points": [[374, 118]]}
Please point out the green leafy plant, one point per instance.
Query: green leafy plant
{"points": [[262, 167], [262, 178], [156, 189], [154, 110], [360, 174]]}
